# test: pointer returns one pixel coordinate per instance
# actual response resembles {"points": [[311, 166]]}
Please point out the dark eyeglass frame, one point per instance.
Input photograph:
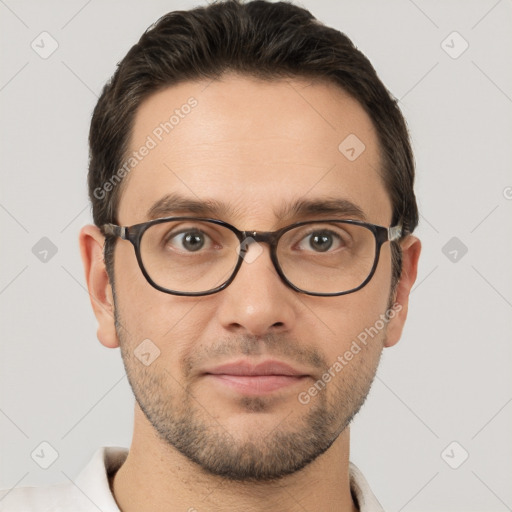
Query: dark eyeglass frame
{"points": [[134, 235]]}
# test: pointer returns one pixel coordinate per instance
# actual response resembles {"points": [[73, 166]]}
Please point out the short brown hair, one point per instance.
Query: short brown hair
{"points": [[257, 38]]}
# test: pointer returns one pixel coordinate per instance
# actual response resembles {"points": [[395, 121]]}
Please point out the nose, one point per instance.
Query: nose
{"points": [[257, 301]]}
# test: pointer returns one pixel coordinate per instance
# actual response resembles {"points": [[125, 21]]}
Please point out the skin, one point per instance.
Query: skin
{"points": [[254, 145]]}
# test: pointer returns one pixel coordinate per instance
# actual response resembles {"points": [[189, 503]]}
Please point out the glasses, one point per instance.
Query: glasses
{"points": [[198, 256]]}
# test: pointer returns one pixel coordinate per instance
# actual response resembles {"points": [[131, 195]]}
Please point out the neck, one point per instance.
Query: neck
{"points": [[155, 476]]}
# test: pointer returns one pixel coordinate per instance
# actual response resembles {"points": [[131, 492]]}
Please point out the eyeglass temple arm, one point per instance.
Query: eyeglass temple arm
{"points": [[394, 233], [113, 230]]}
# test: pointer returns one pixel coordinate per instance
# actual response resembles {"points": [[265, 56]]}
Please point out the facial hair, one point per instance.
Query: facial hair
{"points": [[183, 422]]}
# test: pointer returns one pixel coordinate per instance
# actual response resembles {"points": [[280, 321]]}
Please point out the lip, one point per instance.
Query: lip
{"points": [[246, 368], [262, 378]]}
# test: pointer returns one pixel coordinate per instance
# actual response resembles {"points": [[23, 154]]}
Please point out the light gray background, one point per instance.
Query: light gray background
{"points": [[447, 380]]}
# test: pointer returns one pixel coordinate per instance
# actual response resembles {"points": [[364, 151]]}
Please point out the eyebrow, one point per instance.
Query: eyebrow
{"points": [[172, 204]]}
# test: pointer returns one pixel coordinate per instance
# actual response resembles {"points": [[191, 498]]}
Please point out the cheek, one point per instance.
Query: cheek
{"points": [[358, 317], [377, 291], [169, 321], [142, 305]]}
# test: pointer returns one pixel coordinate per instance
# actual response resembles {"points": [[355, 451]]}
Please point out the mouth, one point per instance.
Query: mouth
{"points": [[263, 378]]}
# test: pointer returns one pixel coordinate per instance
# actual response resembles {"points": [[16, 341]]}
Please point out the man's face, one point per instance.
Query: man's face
{"points": [[254, 146]]}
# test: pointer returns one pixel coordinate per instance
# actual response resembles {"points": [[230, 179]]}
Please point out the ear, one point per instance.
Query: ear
{"points": [[411, 248], [100, 291]]}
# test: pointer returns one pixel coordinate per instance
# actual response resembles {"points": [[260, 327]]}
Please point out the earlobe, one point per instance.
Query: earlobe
{"points": [[100, 290], [411, 249]]}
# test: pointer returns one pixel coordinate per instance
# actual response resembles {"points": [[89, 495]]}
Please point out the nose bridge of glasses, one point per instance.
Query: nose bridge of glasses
{"points": [[248, 237]]}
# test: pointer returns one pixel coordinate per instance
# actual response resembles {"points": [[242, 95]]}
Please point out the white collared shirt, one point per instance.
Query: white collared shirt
{"points": [[90, 492]]}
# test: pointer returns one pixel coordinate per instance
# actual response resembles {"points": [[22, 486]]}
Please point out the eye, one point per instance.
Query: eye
{"points": [[191, 240], [322, 241]]}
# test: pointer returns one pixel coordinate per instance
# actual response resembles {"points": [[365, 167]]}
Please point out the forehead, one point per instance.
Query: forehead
{"points": [[254, 145]]}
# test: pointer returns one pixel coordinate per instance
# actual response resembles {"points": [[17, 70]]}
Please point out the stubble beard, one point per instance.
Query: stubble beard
{"points": [[185, 424]]}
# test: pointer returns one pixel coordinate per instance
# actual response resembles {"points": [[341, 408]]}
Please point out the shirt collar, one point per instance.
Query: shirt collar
{"points": [[93, 481]]}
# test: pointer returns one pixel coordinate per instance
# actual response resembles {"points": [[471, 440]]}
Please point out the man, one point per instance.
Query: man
{"points": [[252, 190]]}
